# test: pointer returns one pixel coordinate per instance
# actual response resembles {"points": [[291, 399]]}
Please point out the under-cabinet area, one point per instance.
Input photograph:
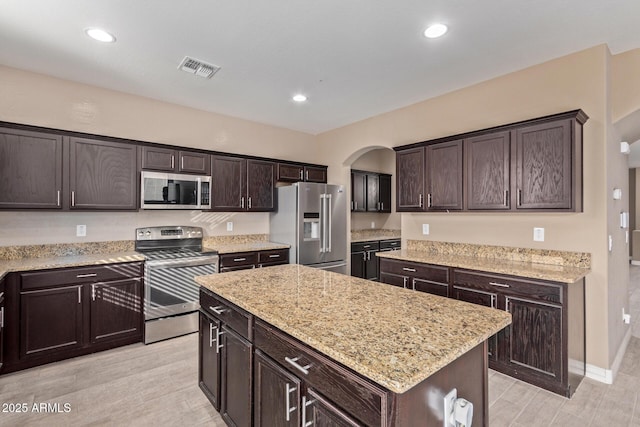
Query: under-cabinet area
{"points": [[268, 355]]}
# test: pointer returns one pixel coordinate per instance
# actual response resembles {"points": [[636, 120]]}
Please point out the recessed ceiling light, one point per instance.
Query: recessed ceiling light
{"points": [[299, 97], [435, 30], [100, 35]]}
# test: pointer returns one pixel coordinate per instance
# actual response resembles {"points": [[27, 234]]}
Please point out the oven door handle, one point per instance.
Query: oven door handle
{"points": [[183, 262]]}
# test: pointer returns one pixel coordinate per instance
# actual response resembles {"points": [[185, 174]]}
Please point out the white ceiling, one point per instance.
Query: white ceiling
{"points": [[353, 58]]}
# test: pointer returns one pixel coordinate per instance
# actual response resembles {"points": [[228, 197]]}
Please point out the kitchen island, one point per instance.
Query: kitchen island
{"points": [[309, 345]]}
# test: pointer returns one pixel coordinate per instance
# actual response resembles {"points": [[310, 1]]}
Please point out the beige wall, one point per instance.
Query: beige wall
{"points": [[378, 160], [574, 81], [625, 84], [40, 100]]}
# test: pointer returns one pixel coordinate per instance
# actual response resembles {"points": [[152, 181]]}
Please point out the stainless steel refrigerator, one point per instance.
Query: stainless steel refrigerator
{"points": [[312, 218]]}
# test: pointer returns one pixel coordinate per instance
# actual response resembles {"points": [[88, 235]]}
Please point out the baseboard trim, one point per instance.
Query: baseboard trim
{"points": [[608, 375]]}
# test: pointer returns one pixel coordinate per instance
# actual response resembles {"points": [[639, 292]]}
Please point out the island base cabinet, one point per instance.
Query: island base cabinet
{"points": [[209, 360], [235, 390], [319, 412], [277, 394]]}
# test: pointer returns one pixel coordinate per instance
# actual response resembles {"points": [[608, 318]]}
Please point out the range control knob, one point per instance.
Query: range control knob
{"points": [[140, 233], [148, 233]]}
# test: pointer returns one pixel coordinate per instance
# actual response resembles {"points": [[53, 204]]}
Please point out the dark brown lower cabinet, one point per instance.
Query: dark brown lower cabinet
{"points": [[209, 360], [488, 299], [432, 279], [1, 322], [235, 389], [115, 310], [319, 412], [277, 394], [364, 262], [51, 320]]}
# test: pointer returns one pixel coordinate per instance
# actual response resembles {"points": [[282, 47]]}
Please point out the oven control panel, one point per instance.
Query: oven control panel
{"points": [[168, 232]]}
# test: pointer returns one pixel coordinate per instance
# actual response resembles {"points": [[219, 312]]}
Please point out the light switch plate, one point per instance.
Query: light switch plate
{"points": [[81, 230], [229, 225], [538, 234], [425, 229]]}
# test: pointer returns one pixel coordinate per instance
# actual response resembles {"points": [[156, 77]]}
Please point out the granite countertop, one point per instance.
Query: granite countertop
{"points": [[28, 264], [393, 336], [231, 248], [373, 235], [556, 273]]}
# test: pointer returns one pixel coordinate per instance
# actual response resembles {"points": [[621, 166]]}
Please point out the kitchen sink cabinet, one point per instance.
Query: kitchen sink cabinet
{"points": [[30, 169], [534, 165], [242, 185], [488, 171], [176, 161], [102, 175], [61, 313]]}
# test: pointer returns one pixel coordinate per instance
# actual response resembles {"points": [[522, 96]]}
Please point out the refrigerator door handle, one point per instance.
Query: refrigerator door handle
{"points": [[323, 227], [328, 219]]}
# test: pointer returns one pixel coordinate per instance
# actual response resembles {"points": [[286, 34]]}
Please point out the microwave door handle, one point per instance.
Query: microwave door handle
{"points": [[198, 192]]}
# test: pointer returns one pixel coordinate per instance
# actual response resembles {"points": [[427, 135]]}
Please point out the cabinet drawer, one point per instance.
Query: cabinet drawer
{"points": [[241, 258], [433, 273], [390, 244], [543, 291], [101, 273], [356, 396], [365, 246], [226, 312], [273, 256]]}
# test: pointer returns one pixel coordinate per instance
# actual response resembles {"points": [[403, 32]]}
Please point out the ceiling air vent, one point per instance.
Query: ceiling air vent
{"points": [[197, 67]]}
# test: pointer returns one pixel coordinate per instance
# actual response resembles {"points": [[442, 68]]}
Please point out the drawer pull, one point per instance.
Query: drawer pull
{"points": [[274, 256], [288, 408], [82, 276], [219, 309], [366, 246], [239, 259], [306, 403], [502, 285], [412, 270], [293, 362]]}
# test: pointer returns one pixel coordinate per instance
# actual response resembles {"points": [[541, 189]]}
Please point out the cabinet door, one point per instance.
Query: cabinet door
{"points": [[209, 360], [384, 193], [358, 192], [236, 379], [158, 159], [319, 412], [444, 176], [116, 310], [410, 180], [30, 169], [534, 338], [261, 186], [192, 162], [373, 192], [276, 394], [102, 175], [50, 320], [2, 317], [394, 279], [543, 166], [488, 171], [371, 266], [290, 173], [228, 183], [315, 174], [357, 264], [430, 287], [488, 299]]}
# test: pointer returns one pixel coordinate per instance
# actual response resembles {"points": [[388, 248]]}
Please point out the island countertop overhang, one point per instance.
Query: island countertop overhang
{"points": [[395, 337]]}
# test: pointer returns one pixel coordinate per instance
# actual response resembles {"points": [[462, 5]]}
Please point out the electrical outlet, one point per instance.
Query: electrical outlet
{"points": [[626, 317], [373, 224], [449, 402], [538, 234], [81, 230], [229, 225], [425, 229]]}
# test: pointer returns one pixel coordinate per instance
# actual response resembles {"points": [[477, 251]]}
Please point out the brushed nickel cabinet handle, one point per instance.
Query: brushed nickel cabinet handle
{"points": [[364, 256], [429, 200], [173, 165], [506, 197], [82, 276], [493, 301], [294, 362], [421, 202], [218, 345], [306, 175], [79, 296], [93, 292], [212, 326], [73, 198], [239, 259], [381, 206], [519, 197], [306, 403], [301, 177], [181, 162], [412, 270], [242, 202], [249, 203], [274, 256], [219, 309], [288, 408], [502, 285], [404, 282], [1, 318], [58, 198]]}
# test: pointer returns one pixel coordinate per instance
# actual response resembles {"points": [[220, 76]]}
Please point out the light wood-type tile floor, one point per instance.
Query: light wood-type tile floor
{"points": [[156, 385]]}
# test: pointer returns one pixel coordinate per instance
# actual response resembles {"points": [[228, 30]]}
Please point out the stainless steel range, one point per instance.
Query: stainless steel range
{"points": [[174, 256]]}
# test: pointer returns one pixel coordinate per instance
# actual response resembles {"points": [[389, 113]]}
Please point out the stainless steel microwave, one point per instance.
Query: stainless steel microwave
{"points": [[174, 191]]}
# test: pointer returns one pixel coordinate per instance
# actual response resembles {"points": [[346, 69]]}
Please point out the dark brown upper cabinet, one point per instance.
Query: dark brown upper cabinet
{"points": [[444, 176], [410, 180], [240, 185], [102, 175], [179, 161], [535, 165], [289, 172], [384, 193], [358, 191], [488, 171], [544, 178], [370, 192], [30, 170]]}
